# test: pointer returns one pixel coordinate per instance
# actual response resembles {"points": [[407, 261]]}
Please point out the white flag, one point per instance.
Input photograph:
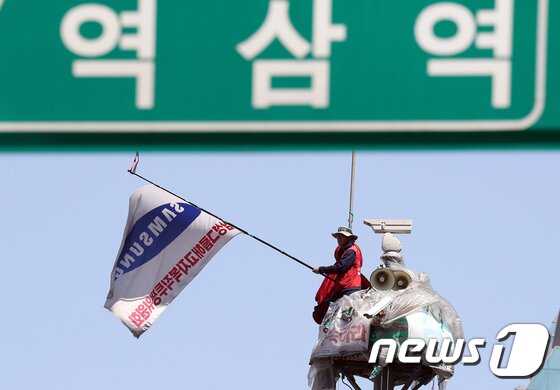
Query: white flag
{"points": [[166, 243]]}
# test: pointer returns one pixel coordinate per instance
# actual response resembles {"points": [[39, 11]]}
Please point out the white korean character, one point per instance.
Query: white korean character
{"points": [[277, 25], [317, 95], [142, 42], [499, 41]]}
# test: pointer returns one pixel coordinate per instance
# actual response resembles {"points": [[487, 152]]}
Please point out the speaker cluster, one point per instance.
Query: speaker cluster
{"points": [[384, 279]]}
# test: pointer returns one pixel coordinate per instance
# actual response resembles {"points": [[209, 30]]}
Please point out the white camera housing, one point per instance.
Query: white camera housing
{"points": [[397, 226]]}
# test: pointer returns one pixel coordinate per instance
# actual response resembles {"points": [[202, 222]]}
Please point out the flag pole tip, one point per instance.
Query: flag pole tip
{"points": [[134, 165]]}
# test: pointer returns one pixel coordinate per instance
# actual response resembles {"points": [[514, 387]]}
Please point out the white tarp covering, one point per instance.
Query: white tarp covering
{"points": [[416, 312], [166, 243]]}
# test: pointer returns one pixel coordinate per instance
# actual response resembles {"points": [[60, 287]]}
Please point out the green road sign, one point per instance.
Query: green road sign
{"points": [[313, 66]]}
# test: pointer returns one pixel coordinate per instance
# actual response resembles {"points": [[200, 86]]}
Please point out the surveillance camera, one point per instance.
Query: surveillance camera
{"points": [[402, 226]]}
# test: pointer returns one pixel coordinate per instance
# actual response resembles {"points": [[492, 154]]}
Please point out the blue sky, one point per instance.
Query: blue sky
{"points": [[485, 224]]}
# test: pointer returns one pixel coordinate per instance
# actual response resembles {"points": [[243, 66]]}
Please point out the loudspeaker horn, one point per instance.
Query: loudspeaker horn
{"points": [[382, 279], [402, 280]]}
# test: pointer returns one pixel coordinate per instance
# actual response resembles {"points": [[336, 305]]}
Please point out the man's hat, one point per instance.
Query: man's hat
{"points": [[345, 232]]}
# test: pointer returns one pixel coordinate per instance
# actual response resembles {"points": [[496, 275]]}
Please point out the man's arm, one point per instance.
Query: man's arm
{"points": [[342, 266]]}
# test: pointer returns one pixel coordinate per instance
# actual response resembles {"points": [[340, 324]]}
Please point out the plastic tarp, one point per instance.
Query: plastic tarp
{"points": [[347, 334]]}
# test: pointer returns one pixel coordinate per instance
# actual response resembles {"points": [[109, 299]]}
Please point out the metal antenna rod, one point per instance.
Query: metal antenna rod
{"points": [[132, 171], [351, 210]]}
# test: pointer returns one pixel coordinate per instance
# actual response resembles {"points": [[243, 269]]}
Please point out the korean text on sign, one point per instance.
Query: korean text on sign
{"points": [[143, 42], [499, 41], [277, 25]]}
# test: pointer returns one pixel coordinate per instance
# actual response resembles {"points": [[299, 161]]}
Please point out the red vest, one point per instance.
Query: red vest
{"points": [[350, 278]]}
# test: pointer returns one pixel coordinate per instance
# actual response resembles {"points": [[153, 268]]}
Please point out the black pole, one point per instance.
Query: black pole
{"points": [[132, 171]]}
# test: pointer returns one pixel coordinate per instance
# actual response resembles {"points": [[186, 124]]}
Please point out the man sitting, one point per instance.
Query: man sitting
{"points": [[345, 271]]}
